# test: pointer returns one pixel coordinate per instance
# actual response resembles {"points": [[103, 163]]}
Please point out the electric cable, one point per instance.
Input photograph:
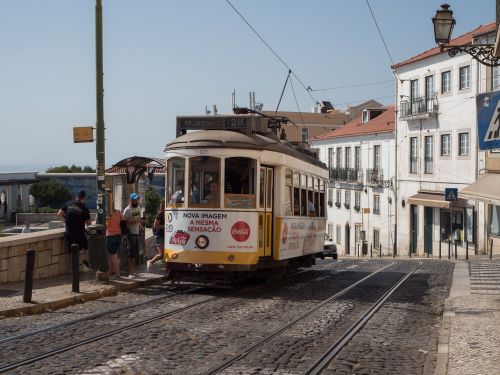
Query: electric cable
{"points": [[283, 91], [380, 33], [297, 103], [351, 86]]}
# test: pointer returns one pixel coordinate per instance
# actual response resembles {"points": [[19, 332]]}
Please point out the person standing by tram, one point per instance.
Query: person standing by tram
{"points": [[132, 215], [159, 231]]}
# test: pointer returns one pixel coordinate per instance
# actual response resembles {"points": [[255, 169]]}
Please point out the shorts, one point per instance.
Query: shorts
{"points": [[159, 239], [132, 245], [81, 241], [113, 244]]}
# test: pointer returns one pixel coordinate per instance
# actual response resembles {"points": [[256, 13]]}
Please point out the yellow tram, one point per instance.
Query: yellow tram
{"points": [[239, 199]]}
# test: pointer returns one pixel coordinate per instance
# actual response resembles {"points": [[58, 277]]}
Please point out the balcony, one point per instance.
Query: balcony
{"points": [[374, 177], [418, 108], [350, 175]]}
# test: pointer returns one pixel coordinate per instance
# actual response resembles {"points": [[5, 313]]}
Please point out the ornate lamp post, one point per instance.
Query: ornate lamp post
{"points": [[443, 26]]}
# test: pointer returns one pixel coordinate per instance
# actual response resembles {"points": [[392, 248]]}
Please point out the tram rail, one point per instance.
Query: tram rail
{"points": [[321, 363]]}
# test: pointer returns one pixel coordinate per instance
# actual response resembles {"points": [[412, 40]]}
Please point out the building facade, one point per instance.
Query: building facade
{"points": [[437, 149], [360, 157]]}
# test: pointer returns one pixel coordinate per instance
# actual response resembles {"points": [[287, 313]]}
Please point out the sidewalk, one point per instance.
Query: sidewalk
{"points": [[55, 293], [468, 342]]}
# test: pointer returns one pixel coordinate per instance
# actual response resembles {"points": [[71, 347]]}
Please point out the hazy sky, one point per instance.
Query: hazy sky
{"points": [[164, 58]]}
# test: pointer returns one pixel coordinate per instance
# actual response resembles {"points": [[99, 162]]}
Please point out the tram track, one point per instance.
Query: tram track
{"points": [[327, 356], [49, 353]]}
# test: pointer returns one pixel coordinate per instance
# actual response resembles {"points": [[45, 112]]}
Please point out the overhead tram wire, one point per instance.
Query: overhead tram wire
{"points": [[297, 103], [380, 33], [272, 51], [351, 86]]}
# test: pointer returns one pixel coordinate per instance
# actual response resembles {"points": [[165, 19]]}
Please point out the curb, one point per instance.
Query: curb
{"points": [[37, 308]]}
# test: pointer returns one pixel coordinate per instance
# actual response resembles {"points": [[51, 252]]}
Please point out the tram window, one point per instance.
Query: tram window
{"points": [[318, 203], [311, 207], [296, 201], [262, 187], [303, 202], [288, 192], [239, 183], [322, 204], [204, 182], [269, 182], [175, 182]]}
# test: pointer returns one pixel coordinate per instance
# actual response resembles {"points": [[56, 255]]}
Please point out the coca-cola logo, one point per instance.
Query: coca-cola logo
{"points": [[240, 231]]}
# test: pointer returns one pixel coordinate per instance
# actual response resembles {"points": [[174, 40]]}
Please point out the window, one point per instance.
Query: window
{"points": [[446, 82], [296, 194], [330, 232], [464, 77], [357, 158], [376, 204], [376, 238], [413, 154], [330, 158], [347, 199], [339, 157], [429, 87], [376, 157], [204, 182], [305, 134], [414, 89], [239, 183], [464, 144], [339, 198], [347, 157], [330, 197], [357, 229], [495, 80], [446, 145], [175, 176], [429, 151], [357, 200], [338, 234]]}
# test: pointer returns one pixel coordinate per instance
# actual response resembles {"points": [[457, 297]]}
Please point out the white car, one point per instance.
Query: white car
{"points": [[329, 248]]}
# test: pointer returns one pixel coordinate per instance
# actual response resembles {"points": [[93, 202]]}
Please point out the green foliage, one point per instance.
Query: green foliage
{"points": [[152, 201], [72, 169], [50, 193]]}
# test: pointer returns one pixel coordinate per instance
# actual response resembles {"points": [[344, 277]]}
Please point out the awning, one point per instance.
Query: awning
{"points": [[485, 189], [429, 200]]}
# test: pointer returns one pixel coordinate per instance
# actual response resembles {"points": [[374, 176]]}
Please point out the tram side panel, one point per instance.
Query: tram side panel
{"points": [[298, 236]]}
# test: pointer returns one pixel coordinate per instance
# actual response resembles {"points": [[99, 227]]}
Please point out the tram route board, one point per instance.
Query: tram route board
{"points": [[218, 122]]}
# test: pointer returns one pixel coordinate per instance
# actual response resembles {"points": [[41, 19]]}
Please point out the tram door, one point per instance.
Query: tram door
{"points": [[265, 211]]}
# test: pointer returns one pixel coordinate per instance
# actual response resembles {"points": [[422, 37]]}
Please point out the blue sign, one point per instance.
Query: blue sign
{"points": [[450, 194], [488, 120]]}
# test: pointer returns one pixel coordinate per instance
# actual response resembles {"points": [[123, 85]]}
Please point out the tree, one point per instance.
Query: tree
{"points": [[72, 169], [50, 193], [152, 200]]}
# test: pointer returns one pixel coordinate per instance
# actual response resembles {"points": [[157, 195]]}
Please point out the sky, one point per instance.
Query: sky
{"points": [[164, 58]]}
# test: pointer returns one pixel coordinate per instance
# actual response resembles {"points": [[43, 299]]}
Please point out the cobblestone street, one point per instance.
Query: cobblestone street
{"points": [[400, 338]]}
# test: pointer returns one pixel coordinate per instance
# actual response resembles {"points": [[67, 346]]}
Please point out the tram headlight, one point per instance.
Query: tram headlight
{"points": [[231, 258], [202, 242], [174, 256]]}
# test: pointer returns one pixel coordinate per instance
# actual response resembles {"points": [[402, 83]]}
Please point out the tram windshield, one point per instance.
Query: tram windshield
{"points": [[204, 182], [175, 178], [239, 182]]}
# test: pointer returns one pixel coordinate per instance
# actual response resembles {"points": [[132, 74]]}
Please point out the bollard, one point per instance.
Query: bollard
{"points": [[491, 248], [371, 250], [28, 276], [455, 249], [467, 250], [449, 249], [380, 252], [358, 250], [75, 267], [439, 249]]}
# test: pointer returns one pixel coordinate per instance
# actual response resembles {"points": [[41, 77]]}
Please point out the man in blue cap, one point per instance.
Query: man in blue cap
{"points": [[132, 215]]}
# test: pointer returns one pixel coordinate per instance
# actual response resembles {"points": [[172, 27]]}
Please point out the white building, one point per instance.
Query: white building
{"points": [[437, 148], [360, 157]]}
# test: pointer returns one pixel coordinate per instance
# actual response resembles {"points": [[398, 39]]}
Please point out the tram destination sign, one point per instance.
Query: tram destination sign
{"points": [[242, 123]]}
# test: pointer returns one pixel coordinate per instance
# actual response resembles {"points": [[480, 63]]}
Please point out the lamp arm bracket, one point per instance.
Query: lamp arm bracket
{"points": [[480, 52]]}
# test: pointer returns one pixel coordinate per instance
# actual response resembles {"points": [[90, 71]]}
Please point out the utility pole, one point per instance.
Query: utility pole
{"points": [[100, 153]]}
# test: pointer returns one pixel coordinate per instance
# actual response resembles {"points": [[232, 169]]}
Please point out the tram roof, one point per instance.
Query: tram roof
{"points": [[233, 139]]}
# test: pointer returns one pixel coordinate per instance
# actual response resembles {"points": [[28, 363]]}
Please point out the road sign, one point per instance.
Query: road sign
{"points": [[450, 194], [488, 120], [83, 134]]}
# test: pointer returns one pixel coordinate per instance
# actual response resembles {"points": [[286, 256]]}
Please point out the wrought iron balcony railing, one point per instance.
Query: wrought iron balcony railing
{"points": [[374, 177], [418, 107], [350, 175]]}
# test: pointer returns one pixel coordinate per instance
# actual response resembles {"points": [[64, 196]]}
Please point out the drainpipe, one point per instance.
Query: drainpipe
{"points": [[395, 187]]}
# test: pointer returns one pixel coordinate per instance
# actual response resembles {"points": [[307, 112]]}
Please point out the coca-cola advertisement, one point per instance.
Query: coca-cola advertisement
{"points": [[222, 231]]}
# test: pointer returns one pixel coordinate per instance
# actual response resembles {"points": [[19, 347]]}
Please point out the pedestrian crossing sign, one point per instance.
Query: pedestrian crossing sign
{"points": [[450, 194], [488, 120]]}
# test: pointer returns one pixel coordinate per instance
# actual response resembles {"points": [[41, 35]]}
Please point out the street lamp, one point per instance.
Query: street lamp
{"points": [[443, 27]]}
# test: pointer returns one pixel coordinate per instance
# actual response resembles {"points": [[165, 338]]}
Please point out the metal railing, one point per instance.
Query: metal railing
{"points": [[418, 106], [351, 175], [374, 176]]}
